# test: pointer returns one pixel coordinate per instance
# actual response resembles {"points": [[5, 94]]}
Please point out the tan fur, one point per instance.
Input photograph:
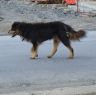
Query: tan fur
{"points": [[34, 52]]}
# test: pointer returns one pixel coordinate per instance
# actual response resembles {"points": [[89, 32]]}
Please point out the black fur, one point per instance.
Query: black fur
{"points": [[39, 32]]}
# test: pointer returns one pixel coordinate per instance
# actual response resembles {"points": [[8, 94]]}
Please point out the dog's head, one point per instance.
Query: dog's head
{"points": [[14, 31]]}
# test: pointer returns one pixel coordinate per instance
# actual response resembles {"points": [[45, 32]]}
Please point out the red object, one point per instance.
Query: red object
{"points": [[70, 2]]}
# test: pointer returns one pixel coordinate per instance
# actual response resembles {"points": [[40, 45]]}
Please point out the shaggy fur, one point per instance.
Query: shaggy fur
{"points": [[37, 33]]}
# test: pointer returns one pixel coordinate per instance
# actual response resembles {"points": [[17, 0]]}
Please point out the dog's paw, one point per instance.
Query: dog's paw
{"points": [[37, 55], [32, 58], [70, 57], [49, 56]]}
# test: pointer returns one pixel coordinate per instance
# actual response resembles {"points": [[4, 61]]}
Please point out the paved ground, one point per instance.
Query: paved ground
{"points": [[19, 73]]}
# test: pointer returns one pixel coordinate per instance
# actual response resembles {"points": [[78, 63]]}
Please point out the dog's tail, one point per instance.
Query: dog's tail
{"points": [[76, 35]]}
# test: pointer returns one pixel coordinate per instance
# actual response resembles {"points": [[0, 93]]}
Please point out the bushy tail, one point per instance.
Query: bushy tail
{"points": [[76, 35]]}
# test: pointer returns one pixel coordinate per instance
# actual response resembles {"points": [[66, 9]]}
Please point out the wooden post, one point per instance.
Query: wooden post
{"points": [[77, 6]]}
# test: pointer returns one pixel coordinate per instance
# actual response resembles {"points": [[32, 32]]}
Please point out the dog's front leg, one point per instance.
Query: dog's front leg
{"points": [[34, 51]]}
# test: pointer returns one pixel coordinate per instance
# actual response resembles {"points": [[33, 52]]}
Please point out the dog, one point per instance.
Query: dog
{"points": [[36, 33]]}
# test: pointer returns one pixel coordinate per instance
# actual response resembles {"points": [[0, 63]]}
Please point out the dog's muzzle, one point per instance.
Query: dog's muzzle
{"points": [[10, 32]]}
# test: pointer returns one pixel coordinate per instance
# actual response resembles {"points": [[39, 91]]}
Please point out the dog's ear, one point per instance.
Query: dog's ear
{"points": [[16, 25]]}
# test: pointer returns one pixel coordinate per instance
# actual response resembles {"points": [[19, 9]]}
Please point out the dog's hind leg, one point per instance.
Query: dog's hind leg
{"points": [[71, 54], [34, 51], [56, 42], [66, 42]]}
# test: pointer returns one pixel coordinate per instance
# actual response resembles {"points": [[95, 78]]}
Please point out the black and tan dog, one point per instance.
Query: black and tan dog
{"points": [[36, 33]]}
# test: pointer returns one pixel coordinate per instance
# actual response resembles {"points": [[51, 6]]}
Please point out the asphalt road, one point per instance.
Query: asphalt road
{"points": [[19, 72]]}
